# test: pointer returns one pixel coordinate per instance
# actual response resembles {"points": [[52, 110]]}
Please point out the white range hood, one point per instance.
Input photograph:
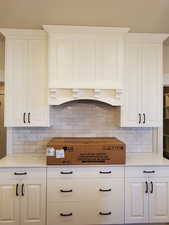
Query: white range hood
{"points": [[86, 63]]}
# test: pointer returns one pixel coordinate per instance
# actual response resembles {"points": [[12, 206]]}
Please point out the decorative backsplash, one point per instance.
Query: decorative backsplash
{"points": [[81, 119]]}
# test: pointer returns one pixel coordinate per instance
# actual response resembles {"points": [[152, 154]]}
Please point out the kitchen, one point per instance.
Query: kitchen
{"points": [[89, 82]]}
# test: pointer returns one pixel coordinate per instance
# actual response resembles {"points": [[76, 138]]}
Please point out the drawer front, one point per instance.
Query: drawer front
{"points": [[22, 173], [63, 213], [146, 172], [84, 190], [104, 212], [88, 172], [85, 213], [88, 212]]}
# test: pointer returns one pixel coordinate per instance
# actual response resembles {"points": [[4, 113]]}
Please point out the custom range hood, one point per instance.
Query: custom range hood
{"points": [[85, 63]]}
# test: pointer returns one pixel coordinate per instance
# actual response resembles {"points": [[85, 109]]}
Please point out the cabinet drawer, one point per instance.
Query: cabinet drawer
{"points": [[22, 173], [84, 190], [147, 171], [96, 212], [87, 212], [90, 172], [63, 213]]}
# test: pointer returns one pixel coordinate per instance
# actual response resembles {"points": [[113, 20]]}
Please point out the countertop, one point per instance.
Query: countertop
{"points": [[23, 160], [39, 160], [145, 159]]}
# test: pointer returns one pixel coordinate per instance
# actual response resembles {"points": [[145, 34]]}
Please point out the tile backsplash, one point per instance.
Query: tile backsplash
{"points": [[81, 119]]}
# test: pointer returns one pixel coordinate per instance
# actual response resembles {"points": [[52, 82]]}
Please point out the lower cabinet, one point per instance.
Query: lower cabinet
{"points": [[80, 196], [22, 196], [147, 196]]}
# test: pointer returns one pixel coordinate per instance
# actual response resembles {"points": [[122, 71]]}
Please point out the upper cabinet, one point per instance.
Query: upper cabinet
{"points": [[26, 99], [85, 62], [142, 106]]}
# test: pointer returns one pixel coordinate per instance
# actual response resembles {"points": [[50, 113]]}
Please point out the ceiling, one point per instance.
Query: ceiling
{"points": [[139, 15]]}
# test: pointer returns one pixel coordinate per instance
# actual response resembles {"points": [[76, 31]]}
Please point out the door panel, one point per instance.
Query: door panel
{"points": [[38, 109], [132, 95], [159, 200], [136, 201], [152, 85], [9, 204], [15, 82], [33, 203]]}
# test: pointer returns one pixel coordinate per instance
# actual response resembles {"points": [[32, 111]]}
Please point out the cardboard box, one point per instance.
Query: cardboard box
{"points": [[88, 151]]}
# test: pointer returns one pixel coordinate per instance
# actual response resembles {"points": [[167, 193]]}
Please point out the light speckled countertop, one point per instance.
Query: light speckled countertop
{"points": [[145, 159], [39, 160], [23, 160]]}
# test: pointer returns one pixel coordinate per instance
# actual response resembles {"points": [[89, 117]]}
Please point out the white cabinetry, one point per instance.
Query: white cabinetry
{"points": [[22, 196], [85, 62], [146, 195], [143, 81], [85, 195], [26, 101]]}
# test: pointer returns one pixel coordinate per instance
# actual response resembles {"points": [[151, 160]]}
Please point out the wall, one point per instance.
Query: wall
{"points": [[2, 60], [85, 119]]}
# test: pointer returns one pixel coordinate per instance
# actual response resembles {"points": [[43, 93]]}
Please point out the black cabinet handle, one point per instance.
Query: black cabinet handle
{"points": [[148, 171], [146, 191], [20, 173], [104, 190], [66, 214], [23, 191], [105, 214], [105, 172], [151, 191], [29, 115], [24, 117], [139, 118], [71, 172], [144, 118], [66, 191], [17, 185]]}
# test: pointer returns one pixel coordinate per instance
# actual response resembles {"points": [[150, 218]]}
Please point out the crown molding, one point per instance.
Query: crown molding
{"points": [[23, 33], [54, 29]]}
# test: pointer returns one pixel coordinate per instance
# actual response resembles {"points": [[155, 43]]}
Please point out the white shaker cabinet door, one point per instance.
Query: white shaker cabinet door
{"points": [[9, 203], [131, 110], [38, 109], [136, 200], [26, 94], [159, 200], [15, 82], [33, 203], [151, 85]]}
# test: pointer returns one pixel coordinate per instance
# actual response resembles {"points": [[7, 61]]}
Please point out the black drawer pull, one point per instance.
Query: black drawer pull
{"points": [[105, 172], [151, 187], [17, 194], [29, 114], [144, 118], [148, 171], [139, 118], [104, 214], [66, 214], [66, 191], [104, 190], [71, 172], [22, 173], [24, 119], [23, 191], [146, 191]]}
